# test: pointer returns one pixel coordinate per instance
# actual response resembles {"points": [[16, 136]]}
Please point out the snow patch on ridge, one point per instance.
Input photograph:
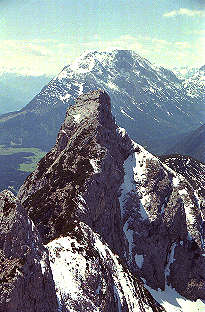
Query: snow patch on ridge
{"points": [[121, 131], [95, 165], [129, 235], [64, 269], [71, 269], [172, 301], [175, 181], [124, 286], [124, 113], [135, 175], [77, 118], [112, 86], [65, 97]]}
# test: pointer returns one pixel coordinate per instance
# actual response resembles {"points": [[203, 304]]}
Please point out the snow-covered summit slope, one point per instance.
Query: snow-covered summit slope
{"points": [[97, 187], [193, 80], [144, 96], [149, 101], [90, 277]]}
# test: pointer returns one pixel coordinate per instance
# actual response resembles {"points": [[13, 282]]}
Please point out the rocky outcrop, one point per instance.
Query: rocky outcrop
{"points": [[90, 277], [109, 212], [80, 178], [163, 218], [72, 198], [26, 282]]}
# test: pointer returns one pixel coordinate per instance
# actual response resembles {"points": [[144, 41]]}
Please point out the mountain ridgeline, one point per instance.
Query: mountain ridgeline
{"points": [[18, 89], [149, 101], [124, 231]]}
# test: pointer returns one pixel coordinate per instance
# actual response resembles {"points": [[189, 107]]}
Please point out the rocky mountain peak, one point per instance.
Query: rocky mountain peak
{"points": [[85, 166], [101, 200]]}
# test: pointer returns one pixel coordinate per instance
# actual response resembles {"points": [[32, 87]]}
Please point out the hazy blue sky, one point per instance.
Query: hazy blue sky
{"points": [[42, 36]]}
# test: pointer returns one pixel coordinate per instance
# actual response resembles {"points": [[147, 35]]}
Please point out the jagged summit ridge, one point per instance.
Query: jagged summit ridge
{"points": [[87, 156], [97, 187], [96, 60], [73, 199]]}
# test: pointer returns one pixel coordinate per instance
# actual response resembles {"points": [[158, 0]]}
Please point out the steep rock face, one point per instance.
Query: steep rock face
{"points": [[72, 195], [100, 184], [80, 178], [163, 218], [25, 274]]}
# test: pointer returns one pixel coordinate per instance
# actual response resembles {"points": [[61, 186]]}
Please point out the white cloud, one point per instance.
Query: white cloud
{"points": [[96, 37], [196, 32], [26, 47], [33, 57], [160, 42], [182, 45], [37, 57], [184, 11], [123, 42]]}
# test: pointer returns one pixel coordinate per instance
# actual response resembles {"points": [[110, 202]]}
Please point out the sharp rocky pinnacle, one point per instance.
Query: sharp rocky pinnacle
{"points": [[119, 223]]}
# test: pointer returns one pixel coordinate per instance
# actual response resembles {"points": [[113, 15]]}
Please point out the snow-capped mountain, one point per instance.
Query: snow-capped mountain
{"points": [[125, 232], [149, 101], [185, 72], [193, 80]]}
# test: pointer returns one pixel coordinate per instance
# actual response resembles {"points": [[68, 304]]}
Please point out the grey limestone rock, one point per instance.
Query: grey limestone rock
{"points": [[26, 282], [165, 215], [97, 180], [80, 178], [90, 277]]}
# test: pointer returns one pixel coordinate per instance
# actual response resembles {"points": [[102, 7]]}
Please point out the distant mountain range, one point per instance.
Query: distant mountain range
{"points": [[192, 144], [194, 81], [17, 90], [149, 101]]}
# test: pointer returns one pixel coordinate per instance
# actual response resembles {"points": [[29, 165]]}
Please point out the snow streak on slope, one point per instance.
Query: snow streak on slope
{"points": [[162, 221], [82, 279], [135, 172]]}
